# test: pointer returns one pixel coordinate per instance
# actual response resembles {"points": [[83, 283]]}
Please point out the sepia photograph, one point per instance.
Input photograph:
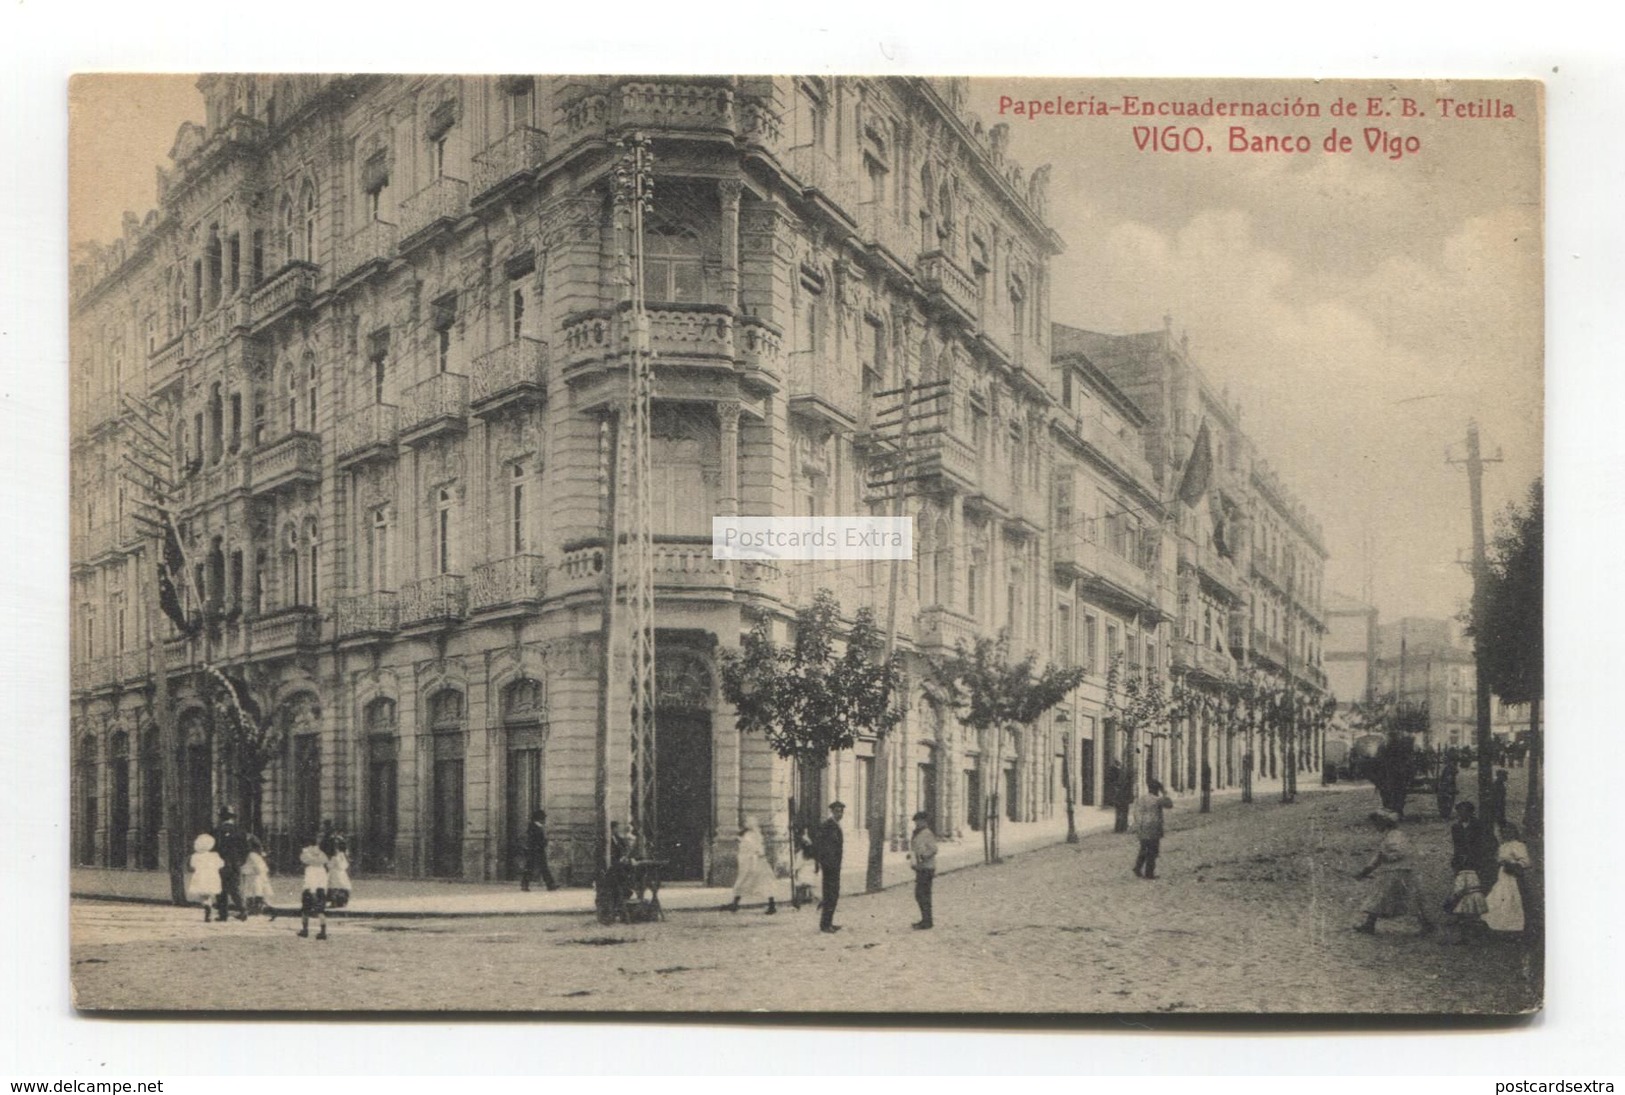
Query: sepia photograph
{"points": [[822, 544]]}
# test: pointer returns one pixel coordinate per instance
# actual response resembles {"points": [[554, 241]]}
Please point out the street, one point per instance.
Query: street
{"points": [[1252, 911]]}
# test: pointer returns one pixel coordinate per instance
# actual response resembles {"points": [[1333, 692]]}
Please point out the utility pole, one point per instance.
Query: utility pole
{"points": [[902, 467], [149, 471], [1475, 487], [1289, 772]]}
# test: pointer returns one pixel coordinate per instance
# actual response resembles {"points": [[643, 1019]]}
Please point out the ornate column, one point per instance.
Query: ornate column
{"points": [[728, 190], [728, 454]]}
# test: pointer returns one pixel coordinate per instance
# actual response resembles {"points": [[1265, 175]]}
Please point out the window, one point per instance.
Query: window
{"points": [[378, 358], [309, 254], [311, 387], [1063, 633], [313, 540], [290, 566], [236, 602], [1114, 645], [521, 99], [257, 260], [236, 421], [293, 400], [378, 550], [261, 578], [445, 316], [259, 422], [374, 178], [1089, 626], [437, 157], [442, 531], [234, 260], [516, 508], [516, 312], [672, 270], [288, 236]]}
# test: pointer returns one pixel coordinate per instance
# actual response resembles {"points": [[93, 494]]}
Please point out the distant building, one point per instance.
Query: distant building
{"points": [[1351, 648], [1422, 660]]}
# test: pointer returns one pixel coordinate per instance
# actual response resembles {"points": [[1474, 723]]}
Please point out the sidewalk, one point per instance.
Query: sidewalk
{"points": [[416, 897]]}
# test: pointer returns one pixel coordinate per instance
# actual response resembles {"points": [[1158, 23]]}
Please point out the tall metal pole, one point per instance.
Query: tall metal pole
{"points": [[606, 898], [876, 820], [1475, 485], [1289, 772]]}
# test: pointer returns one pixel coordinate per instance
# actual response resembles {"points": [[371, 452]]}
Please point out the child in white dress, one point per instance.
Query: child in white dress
{"points": [[338, 872], [1466, 906], [313, 900], [1504, 914], [204, 883], [256, 878]]}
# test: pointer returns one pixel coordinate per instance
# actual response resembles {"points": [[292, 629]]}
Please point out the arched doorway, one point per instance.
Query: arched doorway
{"points": [[382, 756], [302, 725], [118, 814], [197, 776], [524, 724], [85, 777], [152, 797], [446, 784], [683, 763]]}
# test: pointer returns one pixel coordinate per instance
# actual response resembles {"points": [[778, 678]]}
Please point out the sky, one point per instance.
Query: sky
{"points": [[1361, 308]]}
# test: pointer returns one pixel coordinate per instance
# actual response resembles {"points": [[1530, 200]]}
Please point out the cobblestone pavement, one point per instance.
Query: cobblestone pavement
{"points": [[1251, 911]]}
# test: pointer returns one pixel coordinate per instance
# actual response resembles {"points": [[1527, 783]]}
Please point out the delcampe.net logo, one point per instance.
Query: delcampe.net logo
{"points": [[858, 537]]}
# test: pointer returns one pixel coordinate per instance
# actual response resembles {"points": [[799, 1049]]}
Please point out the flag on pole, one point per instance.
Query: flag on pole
{"points": [[171, 571], [1198, 469]]}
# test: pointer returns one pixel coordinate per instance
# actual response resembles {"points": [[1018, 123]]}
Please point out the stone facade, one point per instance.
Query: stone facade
{"points": [[376, 328]]}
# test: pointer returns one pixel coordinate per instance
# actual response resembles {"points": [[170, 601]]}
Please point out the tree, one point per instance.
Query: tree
{"points": [[1514, 644], [250, 738], [1137, 703], [992, 694], [808, 700]]}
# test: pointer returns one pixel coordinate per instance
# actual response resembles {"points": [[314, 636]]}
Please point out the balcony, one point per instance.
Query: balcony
{"points": [[229, 317], [1272, 650], [761, 577], [822, 392], [759, 351], [684, 564], [511, 375], [1194, 657], [758, 124], [165, 363], [516, 582], [95, 672], [581, 568], [436, 207], [295, 459], [885, 232], [518, 154], [437, 406], [677, 106], [1122, 450], [588, 337], [367, 615], [434, 602], [692, 331], [369, 248], [1213, 567], [368, 434], [943, 629], [288, 293], [821, 177], [951, 457], [230, 476], [1106, 573], [948, 287], [294, 628]]}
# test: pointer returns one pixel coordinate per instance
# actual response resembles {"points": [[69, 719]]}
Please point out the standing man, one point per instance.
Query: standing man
{"points": [[922, 856], [1473, 845], [825, 849], [536, 853], [1148, 827], [232, 845], [1446, 787], [1496, 815]]}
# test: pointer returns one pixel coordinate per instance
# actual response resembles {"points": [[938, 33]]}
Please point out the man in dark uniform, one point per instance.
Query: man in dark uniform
{"points": [[232, 844], [825, 849], [536, 853]]}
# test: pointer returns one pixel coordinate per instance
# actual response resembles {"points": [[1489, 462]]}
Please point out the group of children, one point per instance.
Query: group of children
{"points": [[326, 881], [1473, 914]]}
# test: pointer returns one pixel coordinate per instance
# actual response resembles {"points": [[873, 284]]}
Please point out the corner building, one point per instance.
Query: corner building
{"points": [[376, 327]]}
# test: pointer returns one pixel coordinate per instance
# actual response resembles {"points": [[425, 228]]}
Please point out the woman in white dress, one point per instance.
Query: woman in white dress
{"points": [[755, 877], [1505, 913]]}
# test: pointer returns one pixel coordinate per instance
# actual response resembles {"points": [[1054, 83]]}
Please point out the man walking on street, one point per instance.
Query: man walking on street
{"points": [[1148, 826], [536, 853], [922, 856], [232, 845], [825, 849]]}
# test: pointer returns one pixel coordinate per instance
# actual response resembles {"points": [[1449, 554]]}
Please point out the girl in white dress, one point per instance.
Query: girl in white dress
{"points": [[257, 892], [338, 872], [1505, 912], [755, 877], [313, 901], [204, 883]]}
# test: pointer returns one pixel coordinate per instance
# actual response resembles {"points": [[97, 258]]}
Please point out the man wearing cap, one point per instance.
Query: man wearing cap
{"points": [[232, 845], [922, 856], [825, 849]]}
